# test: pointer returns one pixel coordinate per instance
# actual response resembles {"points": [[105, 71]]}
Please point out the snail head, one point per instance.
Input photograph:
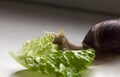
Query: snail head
{"points": [[59, 39]]}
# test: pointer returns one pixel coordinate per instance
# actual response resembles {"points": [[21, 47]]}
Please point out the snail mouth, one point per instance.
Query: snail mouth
{"points": [[105, 58]]}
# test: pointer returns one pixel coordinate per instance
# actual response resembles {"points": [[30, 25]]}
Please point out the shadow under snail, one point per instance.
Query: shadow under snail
{"points": [[104, 37]]}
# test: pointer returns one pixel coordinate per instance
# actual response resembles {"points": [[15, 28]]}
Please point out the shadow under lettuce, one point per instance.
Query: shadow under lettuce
{"points": [[30, 73]]}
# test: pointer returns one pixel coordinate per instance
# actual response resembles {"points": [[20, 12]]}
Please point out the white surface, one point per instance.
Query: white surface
{"points": [[20, 22]]}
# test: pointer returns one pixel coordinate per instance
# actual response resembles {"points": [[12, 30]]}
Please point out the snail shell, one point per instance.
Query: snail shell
{"points": [[104, 36]]}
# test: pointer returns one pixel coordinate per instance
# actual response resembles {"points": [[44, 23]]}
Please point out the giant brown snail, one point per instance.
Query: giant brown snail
{"points": [[104, 37]]}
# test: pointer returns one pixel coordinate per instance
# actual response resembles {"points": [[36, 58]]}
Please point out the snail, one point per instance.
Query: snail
{"points": [[104, 37]]}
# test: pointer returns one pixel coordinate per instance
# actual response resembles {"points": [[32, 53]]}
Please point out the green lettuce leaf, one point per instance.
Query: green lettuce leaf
{"points": [[43, 56]]}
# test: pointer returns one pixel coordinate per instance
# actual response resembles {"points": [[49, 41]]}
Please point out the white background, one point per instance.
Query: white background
{"points": [[21, 22]]}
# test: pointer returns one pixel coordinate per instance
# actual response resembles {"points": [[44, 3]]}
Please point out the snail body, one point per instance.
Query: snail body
{"points": [[104, 36]]}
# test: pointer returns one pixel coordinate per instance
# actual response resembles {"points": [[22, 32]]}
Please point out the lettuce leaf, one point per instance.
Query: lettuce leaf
{"points": [[43, 56]]}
